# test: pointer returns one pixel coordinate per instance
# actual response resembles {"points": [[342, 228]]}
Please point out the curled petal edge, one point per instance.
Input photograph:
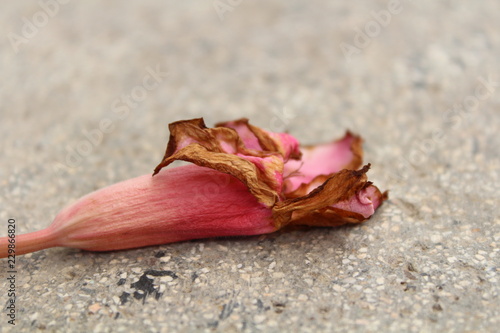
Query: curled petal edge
{"points": [[283, 143], [321, 206]]}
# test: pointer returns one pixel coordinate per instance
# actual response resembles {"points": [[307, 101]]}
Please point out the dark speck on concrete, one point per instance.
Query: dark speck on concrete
{"points": [[279, 307], [124, 297], [145, 286], [437, 307], [227, 309], [159, 254], [161, 273]]}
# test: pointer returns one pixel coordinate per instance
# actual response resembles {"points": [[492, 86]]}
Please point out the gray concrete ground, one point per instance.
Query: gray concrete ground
{"points": [[418, 80]]}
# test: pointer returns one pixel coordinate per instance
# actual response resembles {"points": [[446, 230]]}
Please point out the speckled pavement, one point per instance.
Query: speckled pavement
{"points": [[87, 91]]}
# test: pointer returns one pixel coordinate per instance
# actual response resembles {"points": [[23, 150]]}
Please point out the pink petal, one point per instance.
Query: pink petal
{"points": [[288, 144], [322, 160], [365, 202], [246, 135], [258, 139]]}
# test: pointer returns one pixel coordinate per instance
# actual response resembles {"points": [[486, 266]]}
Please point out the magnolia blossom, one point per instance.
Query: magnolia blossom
{"points": [[243, 181]]}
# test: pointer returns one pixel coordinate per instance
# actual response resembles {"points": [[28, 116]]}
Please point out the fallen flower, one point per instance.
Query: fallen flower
{"points": [[244, 181]]}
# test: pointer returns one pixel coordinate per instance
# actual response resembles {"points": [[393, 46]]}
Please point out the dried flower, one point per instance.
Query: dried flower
{"points": [[244, 181]]}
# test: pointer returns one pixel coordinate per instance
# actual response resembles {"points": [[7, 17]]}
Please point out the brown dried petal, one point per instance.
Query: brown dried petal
{"points": [[317, 207], [222, 149]]}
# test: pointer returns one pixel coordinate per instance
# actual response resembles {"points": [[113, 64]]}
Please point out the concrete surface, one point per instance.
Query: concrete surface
{"points": [[426, 262]]}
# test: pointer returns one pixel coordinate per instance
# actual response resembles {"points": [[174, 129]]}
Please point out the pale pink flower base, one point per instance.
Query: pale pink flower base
{"points": [[182, 203]]}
